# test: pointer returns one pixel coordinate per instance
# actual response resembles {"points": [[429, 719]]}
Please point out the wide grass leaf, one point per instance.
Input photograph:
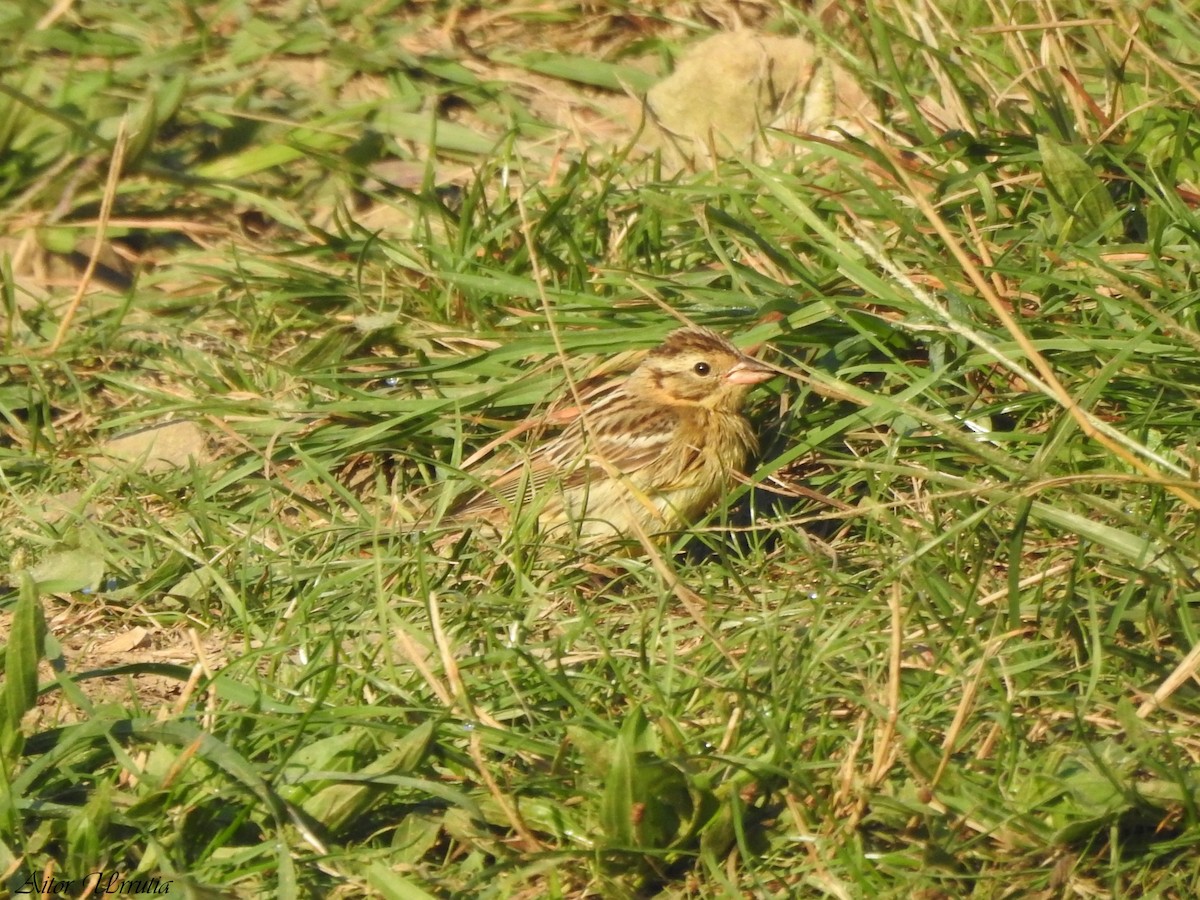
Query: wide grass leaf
{"points": [[1080, 202]]}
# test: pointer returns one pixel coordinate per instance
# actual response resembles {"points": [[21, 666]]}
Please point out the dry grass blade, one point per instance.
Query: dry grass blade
{"points": [[115, 164]]}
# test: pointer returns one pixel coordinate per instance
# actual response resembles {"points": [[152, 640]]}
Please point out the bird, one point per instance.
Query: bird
{"points": [[645, 455]]}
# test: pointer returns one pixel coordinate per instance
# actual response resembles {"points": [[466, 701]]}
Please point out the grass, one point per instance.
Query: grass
{"points": [[950, 654]]}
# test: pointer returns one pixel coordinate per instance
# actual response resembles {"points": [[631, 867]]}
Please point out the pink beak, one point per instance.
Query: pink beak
{"points": [[749, 371]]}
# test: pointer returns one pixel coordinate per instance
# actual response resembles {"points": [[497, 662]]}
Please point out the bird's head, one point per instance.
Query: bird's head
{"points": [[697, 367]]}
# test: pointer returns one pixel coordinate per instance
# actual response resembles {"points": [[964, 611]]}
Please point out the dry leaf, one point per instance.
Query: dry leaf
{"points": [[123, 643], [170, 446]]}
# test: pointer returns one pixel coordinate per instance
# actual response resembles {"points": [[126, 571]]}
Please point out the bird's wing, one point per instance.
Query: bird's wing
{"points": [[582, 454], [612, 437]]}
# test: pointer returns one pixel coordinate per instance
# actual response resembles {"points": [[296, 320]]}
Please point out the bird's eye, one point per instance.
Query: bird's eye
{"points": [[702, 368]]}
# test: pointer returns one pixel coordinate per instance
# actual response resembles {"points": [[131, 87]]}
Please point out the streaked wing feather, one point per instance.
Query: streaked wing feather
{"points": [[609, 438], [625, 454], [520, 481]]}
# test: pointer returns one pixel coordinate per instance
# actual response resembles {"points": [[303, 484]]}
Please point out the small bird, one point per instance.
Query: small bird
{"points": [[648, 454]]}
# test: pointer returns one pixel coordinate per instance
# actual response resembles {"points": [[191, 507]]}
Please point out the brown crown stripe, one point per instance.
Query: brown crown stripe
{"points": [[691, 340]]}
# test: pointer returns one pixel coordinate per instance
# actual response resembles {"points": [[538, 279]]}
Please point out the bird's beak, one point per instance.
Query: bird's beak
{"points": [[749, 371]]}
